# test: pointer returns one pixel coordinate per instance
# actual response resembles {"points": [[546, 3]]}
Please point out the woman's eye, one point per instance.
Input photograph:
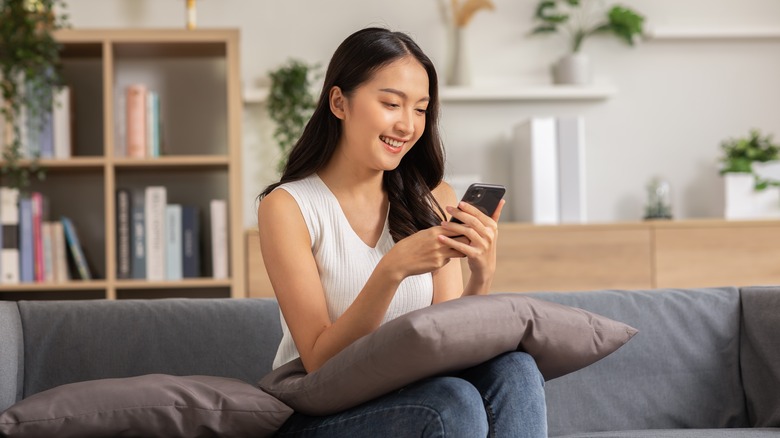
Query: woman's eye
{"points": [[391, 105], [421, 111]]}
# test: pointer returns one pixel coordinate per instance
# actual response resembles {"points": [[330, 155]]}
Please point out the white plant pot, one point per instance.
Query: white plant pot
{"points": [[572, 69], [459, 66], [742, 201]]}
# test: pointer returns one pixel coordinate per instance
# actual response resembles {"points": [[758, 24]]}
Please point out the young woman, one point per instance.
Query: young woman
{"points": [[355, 235]]}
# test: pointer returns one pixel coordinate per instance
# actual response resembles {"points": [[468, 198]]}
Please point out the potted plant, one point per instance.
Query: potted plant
{"points": [[579, 20], [750, 166], [290, 103], [29, 72]]}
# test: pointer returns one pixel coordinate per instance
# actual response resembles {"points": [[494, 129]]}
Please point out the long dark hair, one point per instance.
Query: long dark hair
{"points": [[408, 186]]}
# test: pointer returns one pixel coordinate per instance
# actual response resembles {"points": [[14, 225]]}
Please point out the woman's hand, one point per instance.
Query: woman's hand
{"points": [[481, 231], [420, 253]]}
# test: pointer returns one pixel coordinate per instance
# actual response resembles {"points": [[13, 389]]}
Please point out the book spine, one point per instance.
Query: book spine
{"points": [[156, 199], [37, 231], [152, 124], [190, 224], [123, 260], [219, 233], [48, 251], [45, 138], [138, 235], [535, 173], [26, 245], [76, 251], [61, 123], [136, 120], [571, 169], [173, 251], [9, 248], [61, 273]]}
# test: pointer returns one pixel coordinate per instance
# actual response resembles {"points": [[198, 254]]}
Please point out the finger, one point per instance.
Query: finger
{"points": [[459, 246], [465, 216], [497, 213]]}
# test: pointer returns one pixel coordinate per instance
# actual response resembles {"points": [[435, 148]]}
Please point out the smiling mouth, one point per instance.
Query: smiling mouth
{"points": [[391, 142]]}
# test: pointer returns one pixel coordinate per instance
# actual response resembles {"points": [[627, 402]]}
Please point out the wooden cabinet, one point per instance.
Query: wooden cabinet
{"points": [[642, 255], [197, 75]]}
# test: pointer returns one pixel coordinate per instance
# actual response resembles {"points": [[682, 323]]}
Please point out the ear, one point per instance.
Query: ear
{"points": [[337, 102]]}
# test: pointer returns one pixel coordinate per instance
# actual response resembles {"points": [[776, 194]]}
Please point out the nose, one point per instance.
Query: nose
{"points": [[405, 123]]}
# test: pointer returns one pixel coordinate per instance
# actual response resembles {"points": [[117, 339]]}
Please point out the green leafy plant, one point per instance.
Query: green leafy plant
{"points": [[30, 70], [290, 103], [739, 154], [580, 19]]}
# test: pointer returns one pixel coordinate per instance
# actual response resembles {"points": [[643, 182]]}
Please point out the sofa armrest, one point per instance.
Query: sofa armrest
{"points": [[760, 354], [11, 355]]}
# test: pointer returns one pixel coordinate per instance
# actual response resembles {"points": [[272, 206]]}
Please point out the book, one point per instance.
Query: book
{"points": [[123, 256], [47, 238], [571, 169], [155, 200], [136, 120], [535, 172], [219, 238], [173, 247], [62, 136], [26, 241], [9, 234], [60, 254], [152, 124], [138, 235], [38, 217], [75, 249], [190, 230]]}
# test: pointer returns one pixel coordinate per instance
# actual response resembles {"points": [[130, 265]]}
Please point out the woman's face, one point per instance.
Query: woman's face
{"points": [[385, 116]]}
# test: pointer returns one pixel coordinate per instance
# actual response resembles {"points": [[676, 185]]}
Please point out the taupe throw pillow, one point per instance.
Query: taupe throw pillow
{"points": [[447, 337], [153, 405]]}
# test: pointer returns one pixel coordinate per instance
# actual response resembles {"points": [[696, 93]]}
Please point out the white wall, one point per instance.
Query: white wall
{"points": [[675, 101]]}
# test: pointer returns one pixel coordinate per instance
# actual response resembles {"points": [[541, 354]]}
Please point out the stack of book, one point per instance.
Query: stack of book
{"points": [[35, 249], [138, 122], [157, 240], [548, 175], [48, 136]]}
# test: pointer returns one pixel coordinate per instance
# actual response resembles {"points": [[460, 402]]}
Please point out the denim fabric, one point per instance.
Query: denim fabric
{"points": [[503, 397]]}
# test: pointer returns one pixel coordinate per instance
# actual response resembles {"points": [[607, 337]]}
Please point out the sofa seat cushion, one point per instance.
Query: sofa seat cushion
{"points": [[447, 337], [146, 406], [679, 433]]}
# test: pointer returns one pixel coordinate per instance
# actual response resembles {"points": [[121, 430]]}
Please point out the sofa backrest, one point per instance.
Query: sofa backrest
{"points": [[680, 371], [760, 358], [11, 354], [75, 341]]}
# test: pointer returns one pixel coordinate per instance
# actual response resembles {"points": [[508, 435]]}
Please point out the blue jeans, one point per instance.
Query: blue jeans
{"points": [[503, 397]]}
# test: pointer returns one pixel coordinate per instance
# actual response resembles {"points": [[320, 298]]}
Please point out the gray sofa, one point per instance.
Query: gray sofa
{"points": [[706, 362]]}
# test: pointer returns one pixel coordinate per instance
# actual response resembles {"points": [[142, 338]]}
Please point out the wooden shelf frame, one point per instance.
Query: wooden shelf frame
{"points": [[106, 48]]}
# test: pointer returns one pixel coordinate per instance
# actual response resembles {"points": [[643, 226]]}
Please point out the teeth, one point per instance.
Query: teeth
{"points": [[391, 142]]}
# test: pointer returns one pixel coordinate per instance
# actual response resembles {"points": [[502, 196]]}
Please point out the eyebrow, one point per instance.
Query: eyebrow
{"points": [[402, 94]]}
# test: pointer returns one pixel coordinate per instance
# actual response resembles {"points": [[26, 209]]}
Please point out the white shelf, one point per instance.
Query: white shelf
{"points": [[734, 33], [526, 93], [493, 94]]}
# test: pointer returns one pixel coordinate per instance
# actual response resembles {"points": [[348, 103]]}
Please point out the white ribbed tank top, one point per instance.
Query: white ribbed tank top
{"points": [[344, 261]]}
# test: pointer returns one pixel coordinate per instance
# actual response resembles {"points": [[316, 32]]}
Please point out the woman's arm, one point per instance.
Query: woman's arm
{"points": [[286, 248]]}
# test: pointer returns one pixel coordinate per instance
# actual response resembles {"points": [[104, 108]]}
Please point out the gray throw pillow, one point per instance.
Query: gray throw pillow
{"points": [[447, 337], [146, 406]]}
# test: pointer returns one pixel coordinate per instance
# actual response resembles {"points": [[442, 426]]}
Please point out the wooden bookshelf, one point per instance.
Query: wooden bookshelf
{"points": [[197, 75], [630, 255]]}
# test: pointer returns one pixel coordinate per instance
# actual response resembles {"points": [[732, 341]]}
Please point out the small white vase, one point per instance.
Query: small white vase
{"points": [[459, 66], [572, 69]]}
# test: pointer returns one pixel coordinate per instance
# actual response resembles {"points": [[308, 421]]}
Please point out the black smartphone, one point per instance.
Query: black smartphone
{"points": [[483, 196]]}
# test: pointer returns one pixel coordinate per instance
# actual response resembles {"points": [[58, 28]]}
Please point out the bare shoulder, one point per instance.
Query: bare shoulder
{"points": [[445, 195], [278, 212]]}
